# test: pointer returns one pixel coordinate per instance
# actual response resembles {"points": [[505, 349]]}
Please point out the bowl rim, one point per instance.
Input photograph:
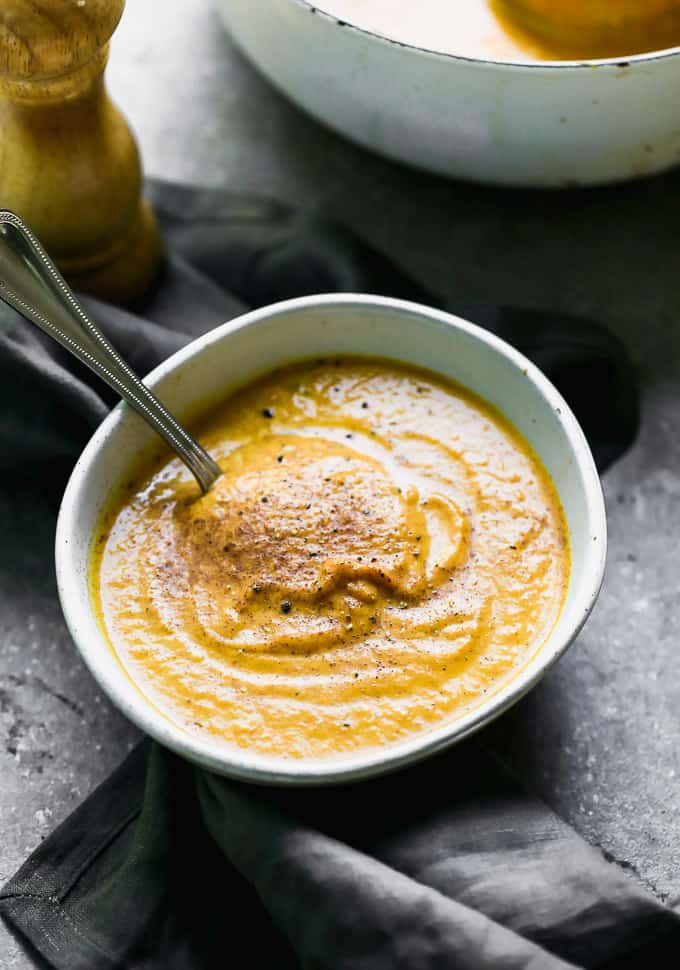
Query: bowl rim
{"points": [[620, 61], [265, 769]]}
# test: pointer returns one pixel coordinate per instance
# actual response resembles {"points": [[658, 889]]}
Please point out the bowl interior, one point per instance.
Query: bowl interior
{"points": [[211, 367], [355, 23]]}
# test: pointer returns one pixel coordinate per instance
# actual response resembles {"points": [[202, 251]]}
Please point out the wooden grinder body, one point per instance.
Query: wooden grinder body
{"points": [[69, 164]]}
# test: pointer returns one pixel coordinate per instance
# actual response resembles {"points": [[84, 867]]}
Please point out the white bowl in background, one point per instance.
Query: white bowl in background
{"points": [[220, 361], [551, 124]]}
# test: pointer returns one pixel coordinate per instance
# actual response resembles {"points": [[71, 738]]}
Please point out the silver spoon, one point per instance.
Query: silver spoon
{"points": [[30, 282]]}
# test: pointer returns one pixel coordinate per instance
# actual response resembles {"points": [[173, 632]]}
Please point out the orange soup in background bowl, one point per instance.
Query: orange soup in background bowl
{"points": [[520, 31], [591, 28]]}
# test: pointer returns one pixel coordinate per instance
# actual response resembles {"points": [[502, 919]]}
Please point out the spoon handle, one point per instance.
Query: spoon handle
{"points": [[30, 282]]}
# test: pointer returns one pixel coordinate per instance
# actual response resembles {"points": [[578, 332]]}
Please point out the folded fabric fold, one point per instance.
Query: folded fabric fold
{"points": [[452, 864]]}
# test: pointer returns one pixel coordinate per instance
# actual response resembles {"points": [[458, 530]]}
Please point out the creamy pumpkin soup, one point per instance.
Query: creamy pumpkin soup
{"points": [[382, 551], [520, 30], [592, 28]]}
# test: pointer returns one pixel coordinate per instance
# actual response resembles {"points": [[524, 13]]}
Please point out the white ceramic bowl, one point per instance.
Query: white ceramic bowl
{"points": [[212, 366], [557, 123]]}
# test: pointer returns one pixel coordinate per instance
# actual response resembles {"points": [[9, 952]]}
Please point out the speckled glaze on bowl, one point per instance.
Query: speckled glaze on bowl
{"points": [[231, 355], [539, 124]]}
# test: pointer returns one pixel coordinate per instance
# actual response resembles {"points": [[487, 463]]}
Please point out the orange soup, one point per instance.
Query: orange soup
{"points": [[520, 30], [382, 551]]}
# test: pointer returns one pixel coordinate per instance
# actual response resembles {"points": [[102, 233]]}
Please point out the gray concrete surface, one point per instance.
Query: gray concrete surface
{"points": [[600, 738]]}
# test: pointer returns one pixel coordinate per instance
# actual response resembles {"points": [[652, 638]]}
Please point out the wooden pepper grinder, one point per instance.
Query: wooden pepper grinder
{"points": [[69, 164]]}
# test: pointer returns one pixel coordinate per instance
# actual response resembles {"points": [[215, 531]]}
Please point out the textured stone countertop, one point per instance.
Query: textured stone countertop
{"points": [[600, 738]]}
